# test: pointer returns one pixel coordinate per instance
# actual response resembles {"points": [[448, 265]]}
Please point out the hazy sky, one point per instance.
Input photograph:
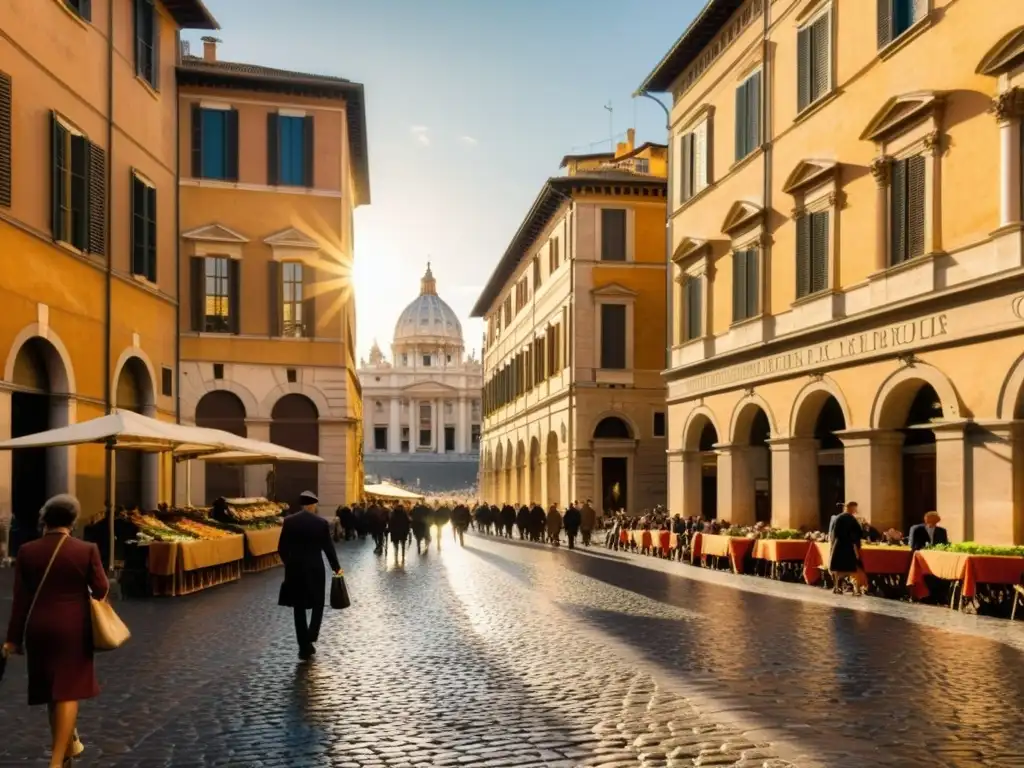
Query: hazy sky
{"points": [[470, 106]]}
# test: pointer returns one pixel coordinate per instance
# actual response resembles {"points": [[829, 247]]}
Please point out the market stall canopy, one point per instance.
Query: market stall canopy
{"points": [[389, 491], [127, 429], [248, 451]]}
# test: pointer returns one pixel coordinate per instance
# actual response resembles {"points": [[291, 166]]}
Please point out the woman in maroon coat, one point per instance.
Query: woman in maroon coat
{"points": [[56, 632]]}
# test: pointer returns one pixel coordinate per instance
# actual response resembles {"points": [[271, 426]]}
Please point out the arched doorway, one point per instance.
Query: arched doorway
{"points": [[508, 477], [535, 478], [919, 475], [831, 467], [554, 481], [701, 483], [223, 410], [294, 423], [520, 492], [819, 415], [497, 477], [613, 453], [485, 475], [753, 467], [39, 403], [133, 470]]}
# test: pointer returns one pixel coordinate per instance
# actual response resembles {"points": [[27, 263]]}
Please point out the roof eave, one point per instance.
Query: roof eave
{"points": [[191, 14]]}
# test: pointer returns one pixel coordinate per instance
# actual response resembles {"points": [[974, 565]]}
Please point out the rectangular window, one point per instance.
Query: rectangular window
{"points": [[289, 150], [292, 323], [552, 255], [693, 293], [659, 423], [81, 7], [167, 381], [508, 310], [536, 273], [906, 209], [745, 287], [291, 375], [380, 438], [812, 253], [147, 42], [449, 438], [217, 299], [613, 336], [895, 17], [426, 428], [143, 228], [814, 61], [70, 186], [474, 437], [642, 165], [218, 370], [426, 361], [694, 161], [748, 116], [613, 234], [214, 143], [6, 108]]}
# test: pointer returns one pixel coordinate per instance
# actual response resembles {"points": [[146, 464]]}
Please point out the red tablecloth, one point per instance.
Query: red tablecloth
{"points": [[736, 548], [878, 560], [971, 570], [779, 550], [696, 546]]}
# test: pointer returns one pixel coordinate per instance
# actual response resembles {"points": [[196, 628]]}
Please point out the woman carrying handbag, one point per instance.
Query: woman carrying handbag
{"points": [[56, 579]]}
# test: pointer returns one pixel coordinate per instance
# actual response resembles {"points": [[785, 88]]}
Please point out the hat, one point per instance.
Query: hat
{"points": [[308, 497]]}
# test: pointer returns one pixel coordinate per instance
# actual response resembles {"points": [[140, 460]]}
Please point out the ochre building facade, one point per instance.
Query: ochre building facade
{"points": [[573, 402], [273, 163], [847, 274], [87, 238]]}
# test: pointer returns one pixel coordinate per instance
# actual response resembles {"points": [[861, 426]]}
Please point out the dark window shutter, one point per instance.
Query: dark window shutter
{"points": [[753, 113], [613, 234], [739, 289], [80, 192], [138, 226], [803, 256], [741, 120], [308, 147], [197, 141], [803, 68], [819, 251], [915, 206], [694, 305], [58, 147], [231, 144], [613, 336], [752, 282], [85, 9], [6, 102], [151, 230], [139, 37], [97, 199], [155, 63], [274, 297], [235, 295], [821, 32], [684, 166], [884, 22], [273, 148], [898, 212], [197, 293], [309, 279]]}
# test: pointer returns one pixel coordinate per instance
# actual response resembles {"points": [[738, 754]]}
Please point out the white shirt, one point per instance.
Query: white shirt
{"points": [[931, 533]]}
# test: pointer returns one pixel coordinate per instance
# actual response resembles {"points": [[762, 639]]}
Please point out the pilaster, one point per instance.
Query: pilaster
{"points": [[795, 496], [735, 484]]}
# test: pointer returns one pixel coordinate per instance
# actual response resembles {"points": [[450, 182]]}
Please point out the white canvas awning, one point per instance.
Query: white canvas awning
{"points": [[389, 491], [248, 451]]}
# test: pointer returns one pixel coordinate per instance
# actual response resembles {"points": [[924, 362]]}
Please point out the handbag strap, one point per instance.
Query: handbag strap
{"points": [[39, 588]]}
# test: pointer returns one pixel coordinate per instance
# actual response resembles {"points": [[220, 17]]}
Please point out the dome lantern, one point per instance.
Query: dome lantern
{"points": [[428, 323]]}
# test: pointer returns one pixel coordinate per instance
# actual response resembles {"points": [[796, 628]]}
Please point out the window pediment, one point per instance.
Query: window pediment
{"points": [[614, 290], [810, 7], [808, 174], [902, 112], [291, 238], [215, 233], [1004, 55], [703, 112], [687, 247], [742, 215]]}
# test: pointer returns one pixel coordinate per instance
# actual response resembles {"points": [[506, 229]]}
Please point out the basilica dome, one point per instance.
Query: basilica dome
{"points": [[428, 319]]}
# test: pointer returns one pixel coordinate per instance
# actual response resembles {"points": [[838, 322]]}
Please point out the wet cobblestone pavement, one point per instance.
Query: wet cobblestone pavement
{"points": [[513, 656]]}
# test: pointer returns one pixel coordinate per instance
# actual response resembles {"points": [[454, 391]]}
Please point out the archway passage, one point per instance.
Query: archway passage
{"points": [[919, 473], [708, 488], [535, 478], [761, 467], [36, 405], [554, 476], [614, 449], [134, 393], [498, 477], [831, 467], [520, 491], [223, 410], [294, 423]]}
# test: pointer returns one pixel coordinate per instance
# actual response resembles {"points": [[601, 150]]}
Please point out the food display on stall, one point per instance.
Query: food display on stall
{"points": [[149, 527], [248, 514]]}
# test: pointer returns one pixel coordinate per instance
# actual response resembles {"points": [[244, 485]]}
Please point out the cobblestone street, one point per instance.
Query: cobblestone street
{"points": [[505, 654]]}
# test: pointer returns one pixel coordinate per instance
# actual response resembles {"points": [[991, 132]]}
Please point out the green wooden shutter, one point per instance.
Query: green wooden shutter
{"points": [[803, 256], [197, 292], [140, 55], [739, 292], [155, 63], [753, 113], [231, 144], [915, 206], [741, 120], [273, 148], [138, 227], [694, 300], [752, 283], [309, 279], [819, 251], [235, 295], [308, 147], [821, 34], [803, 68], [80, 192], [274, 297], [884, 22], [197, 141], [58, 179], [97, 199], [85, 9], [151, 236], [898, 212], [6, 103]]}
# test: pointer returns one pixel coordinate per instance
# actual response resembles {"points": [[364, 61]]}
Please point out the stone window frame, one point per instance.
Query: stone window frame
{"points": [[692, 259], [814, 187], [623, 296], [745, 226], [811, 14], [630, 232]]}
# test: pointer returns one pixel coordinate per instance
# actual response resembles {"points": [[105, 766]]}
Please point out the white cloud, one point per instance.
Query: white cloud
{"points": [[469, 140], [421, 135]]}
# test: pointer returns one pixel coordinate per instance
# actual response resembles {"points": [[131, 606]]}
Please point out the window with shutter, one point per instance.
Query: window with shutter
{"points": [[907, 209], [898, 212], [215, 143], [895, 17], [814, 60], [748, 116], [69, 186], [803, 256], [701, 157], [613, 336], [536, 273], [143, 229], [745, 290], [216, 295], [97, 200], [685, 167], [819, 251], [6, 105], [81, 7], [147, 41], [613, 234], [693, 325], [291, 299]]}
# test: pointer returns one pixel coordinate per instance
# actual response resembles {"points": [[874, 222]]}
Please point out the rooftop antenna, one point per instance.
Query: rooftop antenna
{"points": [[611, 128]]}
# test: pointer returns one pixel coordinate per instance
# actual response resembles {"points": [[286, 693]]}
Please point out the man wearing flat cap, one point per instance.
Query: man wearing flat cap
{"points": [[305, 539]]}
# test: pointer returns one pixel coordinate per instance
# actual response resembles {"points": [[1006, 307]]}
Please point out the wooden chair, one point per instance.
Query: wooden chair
{"points": [[1018, 596]]}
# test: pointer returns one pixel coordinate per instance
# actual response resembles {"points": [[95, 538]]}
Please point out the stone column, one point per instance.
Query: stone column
{"points": [[255, 477], [996, 454], [1007, 108], [873, 464], [880, 169], [794, 482], [951, 492], [735, 484], [462, 428], [394, 427], [439, 426], [414, 438]]}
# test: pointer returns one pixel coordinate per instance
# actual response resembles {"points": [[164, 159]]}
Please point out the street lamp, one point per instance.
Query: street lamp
{"points": [[668, 219]]}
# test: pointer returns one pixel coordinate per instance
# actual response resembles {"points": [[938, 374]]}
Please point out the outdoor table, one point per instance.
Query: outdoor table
{"points": [[696, 546], [776, 551], [878, 560], [736, 548], [182, 567], [261, 549], [965, 570]]}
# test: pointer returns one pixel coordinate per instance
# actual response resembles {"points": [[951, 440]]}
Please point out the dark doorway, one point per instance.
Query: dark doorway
{"points": [[449, 439], [760, 430], [294, 424], [831, 469], [919, 476], [132, 395], [709, 472], [223, 410], [614, 490]]}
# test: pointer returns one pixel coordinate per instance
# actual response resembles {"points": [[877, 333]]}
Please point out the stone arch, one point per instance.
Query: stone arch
{"points": [[295, 424], [520, 489], [694, 427], [808, 404], [894, 397], [743, 416], [224, 410], [62, 376], [136, 359], [1011, 394], [313, 394], [554, 487], [136, 475], [134, 386], [606, 419], [535, 478], [189, 401], [750, 461]]}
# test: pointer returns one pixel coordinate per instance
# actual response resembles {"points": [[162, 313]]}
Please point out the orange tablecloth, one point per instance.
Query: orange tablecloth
{"points": [[778, 550], [162, 558], [262, 542], [734, 547], [972, 570], [638, 539], [209, 552], [878, 560]]}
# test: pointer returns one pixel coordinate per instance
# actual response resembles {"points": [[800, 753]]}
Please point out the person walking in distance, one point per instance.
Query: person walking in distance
{"points": [[571, 521], [460, 522], [305, 540], [398, 525], [588, 519]]}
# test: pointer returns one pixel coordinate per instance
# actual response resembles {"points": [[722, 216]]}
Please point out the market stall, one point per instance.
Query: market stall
{"points": [[259, 521], [388, 492]]}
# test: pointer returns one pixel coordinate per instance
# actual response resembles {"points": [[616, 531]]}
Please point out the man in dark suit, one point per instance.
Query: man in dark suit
{"points": [[927, 534], [305, 539]]}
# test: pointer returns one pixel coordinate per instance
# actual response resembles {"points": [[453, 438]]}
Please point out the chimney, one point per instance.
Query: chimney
{"points": [[210, 48], [630, 138]]}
